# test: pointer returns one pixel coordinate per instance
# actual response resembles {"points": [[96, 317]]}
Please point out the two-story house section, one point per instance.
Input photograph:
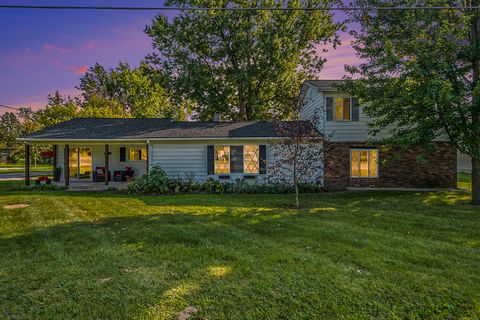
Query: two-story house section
{"points": [[352, 160]]}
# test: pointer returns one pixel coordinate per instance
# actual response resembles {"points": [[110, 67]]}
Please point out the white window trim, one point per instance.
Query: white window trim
{"points": [[342, 97], [229, 159], [368, 163]]}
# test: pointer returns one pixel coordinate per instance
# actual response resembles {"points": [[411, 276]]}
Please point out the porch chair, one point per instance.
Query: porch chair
{"points": [[100, 173]]}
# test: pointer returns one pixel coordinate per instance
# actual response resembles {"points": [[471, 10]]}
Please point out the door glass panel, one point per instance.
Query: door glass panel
{"points": [[73, 162], [85, 165]]}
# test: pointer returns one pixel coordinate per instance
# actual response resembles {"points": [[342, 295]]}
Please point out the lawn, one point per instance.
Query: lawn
{"points": [[344, 255]]}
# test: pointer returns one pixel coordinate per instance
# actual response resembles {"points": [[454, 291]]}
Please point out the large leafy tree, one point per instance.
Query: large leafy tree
{"points": [[58, 109], [248, 65], [138, 91], [420, 74]]}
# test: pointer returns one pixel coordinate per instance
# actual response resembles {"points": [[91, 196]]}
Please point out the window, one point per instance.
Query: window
{"points": [[364, 163], [237, 159], [137, 154], [222, 159], [251, 159], [342, 108]]}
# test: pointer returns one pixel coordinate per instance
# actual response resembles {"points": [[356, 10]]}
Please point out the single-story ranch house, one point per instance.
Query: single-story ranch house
{"points": [[111, 149]]}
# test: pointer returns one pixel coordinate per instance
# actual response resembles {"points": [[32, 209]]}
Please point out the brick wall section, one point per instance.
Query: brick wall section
{"points": [[398, 169]]}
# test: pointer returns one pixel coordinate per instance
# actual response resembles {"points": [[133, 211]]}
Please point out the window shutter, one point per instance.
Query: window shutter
{"points": [[210, 160], [123, 154], [262, 158], [329, 102], [355, 109], [236, 159]]}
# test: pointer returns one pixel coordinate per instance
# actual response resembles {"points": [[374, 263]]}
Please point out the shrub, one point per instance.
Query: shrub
{"points": [[155, 181], [213, 186], [39, 187]]}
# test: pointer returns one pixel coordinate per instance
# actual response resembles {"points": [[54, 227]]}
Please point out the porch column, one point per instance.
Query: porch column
{"points": [[106, 164], [148, 154], [27, 164], [54, 160], [66, 165]]}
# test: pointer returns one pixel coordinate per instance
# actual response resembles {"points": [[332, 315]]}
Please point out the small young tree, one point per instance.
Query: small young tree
{"points": [[298, 157]]}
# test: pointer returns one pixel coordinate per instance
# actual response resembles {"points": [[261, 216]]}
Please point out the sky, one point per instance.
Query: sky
{"points": [[42, 51]]}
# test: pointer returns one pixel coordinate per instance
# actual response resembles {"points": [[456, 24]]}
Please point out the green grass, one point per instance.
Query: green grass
{"points": [[20, 167], [344, 255]]}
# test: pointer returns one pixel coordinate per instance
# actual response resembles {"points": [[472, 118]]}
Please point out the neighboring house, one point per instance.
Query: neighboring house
{"points": [[464, 162], [230, 150], [352, 162]]}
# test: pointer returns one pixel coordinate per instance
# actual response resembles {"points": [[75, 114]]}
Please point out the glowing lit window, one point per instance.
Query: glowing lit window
{"points": [[137, 154], [342, 109], [222, 159], [250, 156], [364, 163]]}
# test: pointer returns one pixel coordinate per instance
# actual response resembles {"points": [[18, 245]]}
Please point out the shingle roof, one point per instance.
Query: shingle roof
{"points": [[324, 84], [152, 128]]}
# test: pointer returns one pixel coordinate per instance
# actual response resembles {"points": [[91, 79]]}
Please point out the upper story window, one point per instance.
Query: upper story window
{"points": [[342, 108], [237, 159]]}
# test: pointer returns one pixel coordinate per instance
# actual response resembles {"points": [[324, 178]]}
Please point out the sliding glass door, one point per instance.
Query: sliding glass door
{"points": [[80, 163]]}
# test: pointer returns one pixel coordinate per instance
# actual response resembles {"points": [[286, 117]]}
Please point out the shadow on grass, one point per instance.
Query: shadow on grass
{"points": [[237, 257]]}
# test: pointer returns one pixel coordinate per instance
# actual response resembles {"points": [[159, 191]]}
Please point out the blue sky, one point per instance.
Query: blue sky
{"points": [[46, 50]]}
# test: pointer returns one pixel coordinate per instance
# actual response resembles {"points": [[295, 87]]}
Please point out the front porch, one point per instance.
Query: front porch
{"points": [[95, 165]]}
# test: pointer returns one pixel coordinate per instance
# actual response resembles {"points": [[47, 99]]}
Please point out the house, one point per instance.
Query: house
{"points": [[230, 150], [221, 150], [351, 161]]}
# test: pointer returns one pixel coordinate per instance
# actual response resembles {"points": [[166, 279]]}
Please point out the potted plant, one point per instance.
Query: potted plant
{"points": [[57, 172], [43, 180]]}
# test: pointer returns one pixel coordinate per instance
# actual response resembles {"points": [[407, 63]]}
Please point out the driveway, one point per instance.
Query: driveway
{"points": [[21, 175]]}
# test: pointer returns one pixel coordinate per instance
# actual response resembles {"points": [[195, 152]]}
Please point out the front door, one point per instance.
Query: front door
{"points": [[80, 163]]}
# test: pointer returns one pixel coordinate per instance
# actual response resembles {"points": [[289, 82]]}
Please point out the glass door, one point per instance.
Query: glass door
{"points": [[80, 163]]}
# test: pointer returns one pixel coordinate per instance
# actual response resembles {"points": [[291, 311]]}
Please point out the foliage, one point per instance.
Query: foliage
{"points": [[298, 157], [10, 129], [247, 65], [58, 109], [38, 187], [154, 182], [420, 75], [138, 91]]}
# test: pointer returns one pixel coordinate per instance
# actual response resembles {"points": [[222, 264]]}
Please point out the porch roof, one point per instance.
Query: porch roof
{"points": [[151, 128]]}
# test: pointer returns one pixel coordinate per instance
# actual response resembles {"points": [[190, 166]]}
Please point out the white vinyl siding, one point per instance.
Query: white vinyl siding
{"points": [[178, 159]]}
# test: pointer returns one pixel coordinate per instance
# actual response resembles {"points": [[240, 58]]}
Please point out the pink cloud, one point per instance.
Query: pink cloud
{"points": [[80, 70], [90, 45], [47, 46]]}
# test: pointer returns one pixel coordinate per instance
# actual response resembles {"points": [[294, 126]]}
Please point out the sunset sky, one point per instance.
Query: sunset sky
{"points": [[46, 50]]}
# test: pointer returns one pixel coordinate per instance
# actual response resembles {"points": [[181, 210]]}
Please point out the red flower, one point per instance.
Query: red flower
{"points": [[47, 154], [43, 178]]}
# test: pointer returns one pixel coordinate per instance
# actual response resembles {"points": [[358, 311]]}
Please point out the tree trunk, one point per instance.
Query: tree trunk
{"points": [[475, 181], [297, 202], [241, 104]]}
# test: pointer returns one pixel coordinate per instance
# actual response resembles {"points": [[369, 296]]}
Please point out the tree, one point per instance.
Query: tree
{"points": [[420, 75], [248, 65], [138, 91], [10, 130], [100, 107], [298, 157], [58, 109]]}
